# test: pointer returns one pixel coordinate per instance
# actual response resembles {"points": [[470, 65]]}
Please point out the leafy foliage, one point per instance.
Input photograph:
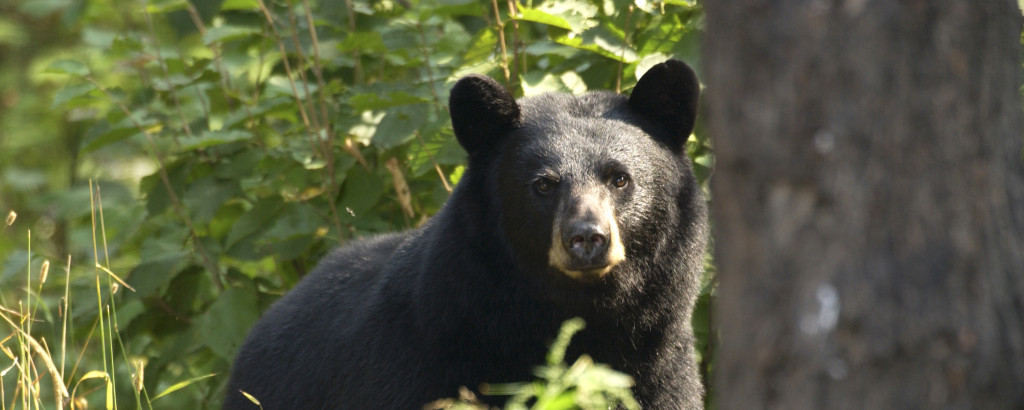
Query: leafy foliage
{"points": [[208, 153], [584, 384]]}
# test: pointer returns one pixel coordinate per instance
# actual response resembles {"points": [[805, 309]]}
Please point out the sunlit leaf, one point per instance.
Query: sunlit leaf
{"points": [[70, 67], [71, 95], [228, 33], [538, 16], [239, 5]]}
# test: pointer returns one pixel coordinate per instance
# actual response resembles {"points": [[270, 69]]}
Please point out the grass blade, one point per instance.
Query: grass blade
{"points": [[182, 385]]}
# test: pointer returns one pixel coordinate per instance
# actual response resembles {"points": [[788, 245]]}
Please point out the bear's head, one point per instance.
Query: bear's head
{"points": [[588, 185]]}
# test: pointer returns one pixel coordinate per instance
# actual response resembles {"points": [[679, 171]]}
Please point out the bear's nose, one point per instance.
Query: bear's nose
{"points": [[586, 242]]}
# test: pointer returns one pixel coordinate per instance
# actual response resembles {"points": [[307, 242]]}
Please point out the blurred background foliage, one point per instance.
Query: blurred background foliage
{"points": [[177, 165]]}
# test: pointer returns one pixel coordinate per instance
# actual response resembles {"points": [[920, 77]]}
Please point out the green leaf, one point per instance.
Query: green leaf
{"points": [[537, 16], [255, 220], [649, 61], [166, 6], [239, 5], [213, 138], [400, 124], [537, 82], [226, 323], [573, 15], [362, 189], [605, 48], [157, 198], [456, 174], [281, 85], [265, 106], [205, 196], [124, 129], [222, 34], [295, 220], [372, 101], [368, 42], [72, 95], [609, 43], [149, 277], [70, 67]]}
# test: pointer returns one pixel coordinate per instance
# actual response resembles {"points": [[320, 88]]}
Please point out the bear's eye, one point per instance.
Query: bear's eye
{"points": [[543, 185], [620, 180]]}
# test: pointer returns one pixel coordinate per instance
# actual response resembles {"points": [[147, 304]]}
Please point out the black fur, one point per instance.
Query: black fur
{"points": [[399, 320]]}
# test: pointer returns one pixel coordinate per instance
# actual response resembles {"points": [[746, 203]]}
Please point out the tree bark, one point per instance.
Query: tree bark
{"points": [[868, 200]]}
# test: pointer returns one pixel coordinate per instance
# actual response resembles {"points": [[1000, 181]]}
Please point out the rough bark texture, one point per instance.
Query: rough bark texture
{"points": [[868, 203]]}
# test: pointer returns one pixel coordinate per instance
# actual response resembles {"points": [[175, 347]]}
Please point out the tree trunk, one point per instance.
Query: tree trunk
{"points": [[868, 200]]}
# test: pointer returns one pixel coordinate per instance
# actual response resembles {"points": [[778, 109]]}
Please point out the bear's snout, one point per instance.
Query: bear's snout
{"points": [[587, 244]]}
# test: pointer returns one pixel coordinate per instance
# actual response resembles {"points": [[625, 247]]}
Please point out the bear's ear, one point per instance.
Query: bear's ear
{"points": [[481, 109], [667, 95]]}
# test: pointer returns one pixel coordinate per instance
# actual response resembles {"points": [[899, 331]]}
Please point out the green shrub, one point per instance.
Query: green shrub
{"points": [[215, 150]]}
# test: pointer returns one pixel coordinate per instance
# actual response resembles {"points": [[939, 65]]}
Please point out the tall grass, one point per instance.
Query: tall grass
{"points": [[40, 372]]}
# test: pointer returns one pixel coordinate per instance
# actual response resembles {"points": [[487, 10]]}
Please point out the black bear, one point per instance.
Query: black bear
{"points": [[570, 206]]}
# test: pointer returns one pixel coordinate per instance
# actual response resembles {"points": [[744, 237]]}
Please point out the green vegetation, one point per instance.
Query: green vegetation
{"points": [[584, 384], [176, 166]]}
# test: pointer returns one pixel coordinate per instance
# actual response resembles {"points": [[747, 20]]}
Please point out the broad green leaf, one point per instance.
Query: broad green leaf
{"points": [[222, 34], [203, 197], [370, 101], [573, 15], [70, 67], [173, 81], [370, 42], [400, 124], [166, 6], [362, 130], [439, 146], [73, 95], [255, 220], [479, 54], [295, 220], [265, 106], [240, 5], [610, 43], [538, 16], [157, 198], [573, 82], [360, 192], [449, 7], [281, 85], [124, 129], [605, 48], [226, 323], [538, 82], [649, 61], [213, 138], [150, 276]]}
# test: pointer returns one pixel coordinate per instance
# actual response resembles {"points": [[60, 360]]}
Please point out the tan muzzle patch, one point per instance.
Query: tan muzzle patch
{"points": [[559, 257]]}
